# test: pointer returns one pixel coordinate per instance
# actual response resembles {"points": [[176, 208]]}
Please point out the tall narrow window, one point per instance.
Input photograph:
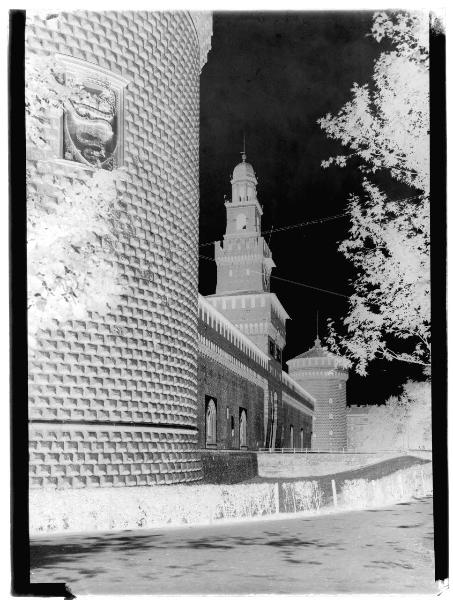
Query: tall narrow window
{"points": [[211, 422], [291, 436], [243, 428], [302, 437], [271, 347]]}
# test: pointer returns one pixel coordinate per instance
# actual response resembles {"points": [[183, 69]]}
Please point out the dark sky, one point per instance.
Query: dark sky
{"points": [[272, 76]]}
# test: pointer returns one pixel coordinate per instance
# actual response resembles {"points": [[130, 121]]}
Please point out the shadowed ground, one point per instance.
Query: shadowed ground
{"points": [[380, 550]]}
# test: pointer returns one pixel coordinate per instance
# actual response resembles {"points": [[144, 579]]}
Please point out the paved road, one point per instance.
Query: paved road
{"points": [[381, 550]]}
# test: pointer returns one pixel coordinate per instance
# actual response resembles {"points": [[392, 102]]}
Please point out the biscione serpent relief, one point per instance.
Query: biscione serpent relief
{"points": [[91, 124]]}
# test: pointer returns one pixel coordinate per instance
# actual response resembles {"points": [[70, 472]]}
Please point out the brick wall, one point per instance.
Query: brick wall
{"points": [[113, 401], [237, 374], [298, 420], [356, 422], [329, 424], [323, 375], [233, 385], [228, 467], [232, 392]]}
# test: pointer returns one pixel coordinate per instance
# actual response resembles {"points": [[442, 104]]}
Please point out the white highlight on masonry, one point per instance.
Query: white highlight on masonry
{"points": [[221, 324], [214, 352], [289, 381]]}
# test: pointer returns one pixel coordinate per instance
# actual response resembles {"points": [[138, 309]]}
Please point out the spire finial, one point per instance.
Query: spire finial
{"points": [[244, 156], [317, 340]]}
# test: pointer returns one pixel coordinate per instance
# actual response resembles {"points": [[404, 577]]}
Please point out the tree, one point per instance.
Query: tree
{"points": [[402, 422], [385, 127], [72, 222]]}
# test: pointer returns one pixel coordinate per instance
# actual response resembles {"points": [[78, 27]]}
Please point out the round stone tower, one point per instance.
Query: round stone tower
{"points": [[113, 398], [324, 375]]}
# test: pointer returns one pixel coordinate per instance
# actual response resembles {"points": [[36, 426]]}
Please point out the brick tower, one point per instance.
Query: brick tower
{"points": [[324, 375], [244, 265]]}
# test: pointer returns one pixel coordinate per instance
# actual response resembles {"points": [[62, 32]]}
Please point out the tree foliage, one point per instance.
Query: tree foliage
{"points": [[402, 422], [385, 127], [71, 220]]}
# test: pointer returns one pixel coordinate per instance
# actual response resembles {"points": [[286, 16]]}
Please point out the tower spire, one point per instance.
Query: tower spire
{"points": [[244, 156], [317, 340]]}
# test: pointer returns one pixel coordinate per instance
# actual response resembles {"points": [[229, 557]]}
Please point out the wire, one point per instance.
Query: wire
{"points": [[317, 221], [290, 281], [294, 226], [313, 222], [310, 286]]}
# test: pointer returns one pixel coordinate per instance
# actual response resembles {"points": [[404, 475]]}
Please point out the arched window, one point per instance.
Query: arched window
{"points": [[302, 437], [211, 423], [291, 436], [243, 428]]}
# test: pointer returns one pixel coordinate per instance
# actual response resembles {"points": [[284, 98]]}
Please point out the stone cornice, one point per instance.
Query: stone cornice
{"points": [[217, 354], [289, 382], [296, 404], [209, 314], [301, 374]]}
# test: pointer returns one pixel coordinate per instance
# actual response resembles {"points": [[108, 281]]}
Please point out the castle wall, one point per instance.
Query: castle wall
{"points": [[231, 393], [357, 423], [236, 374], [292, 417], [113, 400], [232, 371]]}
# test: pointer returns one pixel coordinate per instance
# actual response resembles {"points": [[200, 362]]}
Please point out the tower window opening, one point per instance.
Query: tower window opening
{"points": [[271, 347], [211, 422], [243, 428]]}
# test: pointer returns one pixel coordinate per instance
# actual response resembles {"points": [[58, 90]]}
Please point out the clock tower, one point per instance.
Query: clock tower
{"points": [[244, 261], [243, 294], [244, 265]]}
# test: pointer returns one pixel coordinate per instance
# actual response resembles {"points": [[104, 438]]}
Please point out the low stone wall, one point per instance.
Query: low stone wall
{"points": [[228, 467], [397, 487], [102, 509], [314, 464], [426, 454]]}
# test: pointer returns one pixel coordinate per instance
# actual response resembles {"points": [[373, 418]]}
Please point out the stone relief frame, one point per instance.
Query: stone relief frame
{"points": [[92, 125]]}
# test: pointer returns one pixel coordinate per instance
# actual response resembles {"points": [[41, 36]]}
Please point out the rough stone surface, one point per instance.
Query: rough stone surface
{"points": [[137, 366], [228, 467]]}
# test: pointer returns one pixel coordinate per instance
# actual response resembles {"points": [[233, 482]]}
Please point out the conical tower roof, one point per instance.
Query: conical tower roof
{"points": [[318, 355]]}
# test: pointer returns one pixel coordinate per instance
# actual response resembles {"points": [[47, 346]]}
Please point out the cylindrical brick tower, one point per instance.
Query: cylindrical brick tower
{"points": [[324, 376], [113, 399]]}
